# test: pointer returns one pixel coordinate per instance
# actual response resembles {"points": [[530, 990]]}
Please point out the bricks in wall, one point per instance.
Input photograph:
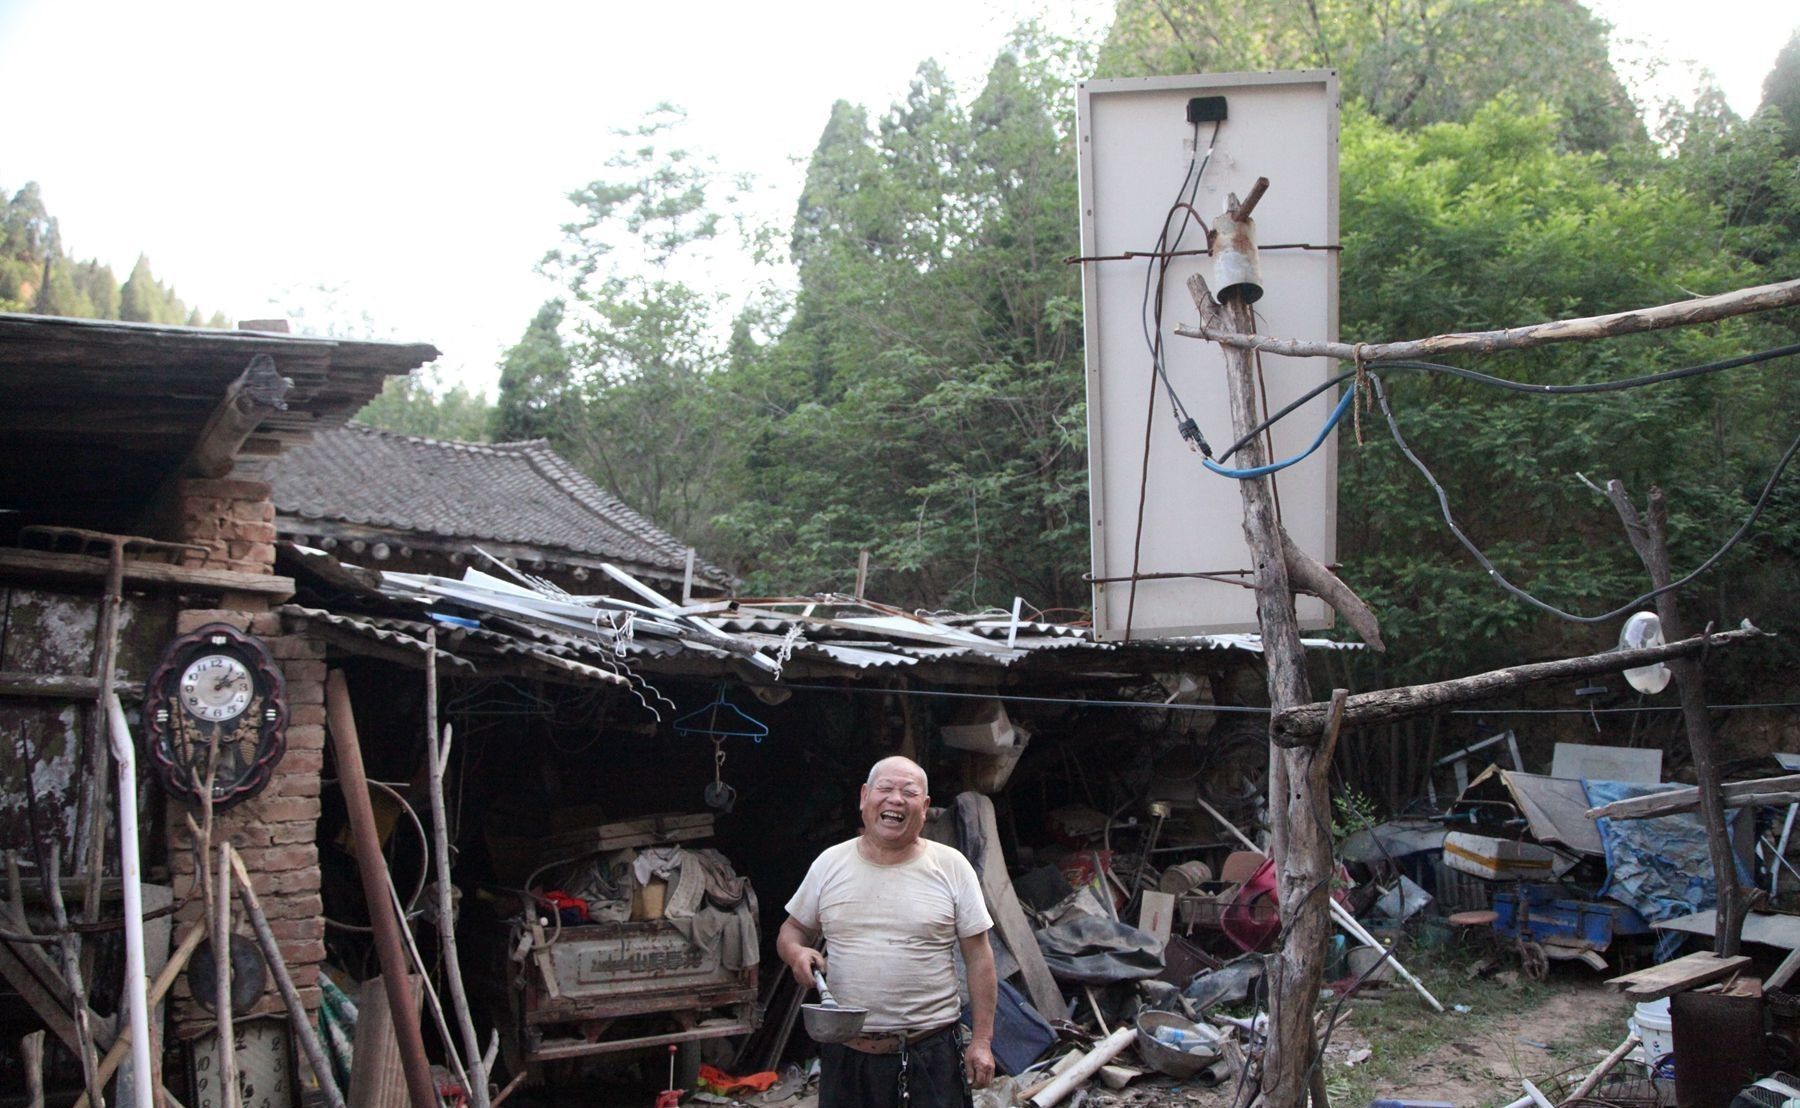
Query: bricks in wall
{"points": [[275, 831]]}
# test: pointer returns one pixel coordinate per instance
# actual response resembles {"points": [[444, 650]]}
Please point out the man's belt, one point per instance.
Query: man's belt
{"points": [[890, 1042]]}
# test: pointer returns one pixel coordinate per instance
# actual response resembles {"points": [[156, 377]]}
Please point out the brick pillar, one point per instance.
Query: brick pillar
{"points": [[234, 520], [276, 830]]}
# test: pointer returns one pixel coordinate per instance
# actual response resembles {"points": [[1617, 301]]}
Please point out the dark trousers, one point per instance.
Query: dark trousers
{"points": [[934, 1076]]}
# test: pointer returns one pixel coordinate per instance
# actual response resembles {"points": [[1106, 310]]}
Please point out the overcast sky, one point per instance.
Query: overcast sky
{"points": [[416, 159]]}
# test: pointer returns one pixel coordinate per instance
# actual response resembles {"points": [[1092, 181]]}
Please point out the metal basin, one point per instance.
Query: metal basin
{"points": [[828, 1021]]}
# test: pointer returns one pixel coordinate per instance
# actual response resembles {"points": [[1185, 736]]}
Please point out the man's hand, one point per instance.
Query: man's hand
{"points": [[978, 1062], [794, 944]]}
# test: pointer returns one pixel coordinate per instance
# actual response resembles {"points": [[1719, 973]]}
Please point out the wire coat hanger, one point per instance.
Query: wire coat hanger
{"points": [[723, 719]]}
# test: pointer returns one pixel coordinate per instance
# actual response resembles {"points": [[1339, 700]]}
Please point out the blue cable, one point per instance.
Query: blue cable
{"points": [[1337, 413]]}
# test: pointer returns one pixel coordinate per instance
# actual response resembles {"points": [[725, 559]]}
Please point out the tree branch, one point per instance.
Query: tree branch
{"points": [[1301, 723], [1705, 309]]}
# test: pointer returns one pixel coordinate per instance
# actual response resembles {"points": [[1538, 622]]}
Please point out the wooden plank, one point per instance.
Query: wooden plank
{"points": [[62, 686], [1680, 975], [35, 993], [86, 567], [1734, 794], [1009, 917]]}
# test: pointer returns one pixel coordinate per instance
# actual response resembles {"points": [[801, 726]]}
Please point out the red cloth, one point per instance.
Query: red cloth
{"points": [[715, 1080]]}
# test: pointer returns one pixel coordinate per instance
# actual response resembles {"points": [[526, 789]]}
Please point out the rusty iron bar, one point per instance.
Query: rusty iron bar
{"points": [[373, 867]]}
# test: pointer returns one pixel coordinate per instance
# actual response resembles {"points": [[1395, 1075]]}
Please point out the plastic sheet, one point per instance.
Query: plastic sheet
{"points": [[1088, 950]]}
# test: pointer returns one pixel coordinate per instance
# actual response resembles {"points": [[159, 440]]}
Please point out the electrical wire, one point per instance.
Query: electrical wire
{"points": [[1620, 385], [1150, 312], [1500, 579], [1337, 413], [1595, 386]]}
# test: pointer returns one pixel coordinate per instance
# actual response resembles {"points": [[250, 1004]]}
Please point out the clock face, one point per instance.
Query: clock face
{"points": [[265, 1066], [215, 711], [216, 687]]}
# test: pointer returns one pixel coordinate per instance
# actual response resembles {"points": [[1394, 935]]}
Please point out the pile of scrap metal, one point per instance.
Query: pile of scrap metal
{"points": [[503, 617]]}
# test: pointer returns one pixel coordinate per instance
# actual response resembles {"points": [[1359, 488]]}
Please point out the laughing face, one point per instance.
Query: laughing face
{"points": [[893, 804]]}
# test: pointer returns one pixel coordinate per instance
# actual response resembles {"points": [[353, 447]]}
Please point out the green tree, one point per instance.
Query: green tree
{"points": [[1411, 62], [924, 400], [641, 412], [536, 387], [144, 299], [422, 403], [1466, 226], [1781, 92]]}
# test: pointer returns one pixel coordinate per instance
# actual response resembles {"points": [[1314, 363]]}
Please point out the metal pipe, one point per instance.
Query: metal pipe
{"points": [[373, 868], [143, 1077]]}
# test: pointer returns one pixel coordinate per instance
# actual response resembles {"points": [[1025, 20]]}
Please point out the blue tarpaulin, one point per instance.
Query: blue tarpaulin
{"points": [[1660, 866]]}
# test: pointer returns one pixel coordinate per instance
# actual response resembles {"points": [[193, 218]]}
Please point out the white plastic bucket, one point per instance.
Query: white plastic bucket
{"points": [[1652, 1023]]}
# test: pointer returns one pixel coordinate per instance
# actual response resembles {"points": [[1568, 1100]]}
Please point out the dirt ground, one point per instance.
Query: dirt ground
{"points": [[1473, 1059]]}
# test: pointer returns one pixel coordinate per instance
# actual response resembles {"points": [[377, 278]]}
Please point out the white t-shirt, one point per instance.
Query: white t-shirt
{"points": [[891, 930]]}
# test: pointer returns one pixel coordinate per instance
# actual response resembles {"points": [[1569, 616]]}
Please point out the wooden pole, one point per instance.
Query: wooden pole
{"points": [[1647, 538], [1704, 309], [31, 1049], [1299, 805], [271, 951], [230, 1096], [436, 751], [373, 867], [115, 1054]]}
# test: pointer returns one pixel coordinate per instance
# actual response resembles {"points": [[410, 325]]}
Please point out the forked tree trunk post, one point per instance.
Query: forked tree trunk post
{"points": [[1299, 804]]}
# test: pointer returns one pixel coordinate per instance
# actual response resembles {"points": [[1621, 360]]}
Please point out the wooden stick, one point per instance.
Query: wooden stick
{"points": [[92, 838], [165, 979], [31, 1049], [1387, 705], [438, 755], [71, 968], [1703, 309], [271, 951], [1593, 1079], [1646, 536], [229, 1094], [1345, 920]]}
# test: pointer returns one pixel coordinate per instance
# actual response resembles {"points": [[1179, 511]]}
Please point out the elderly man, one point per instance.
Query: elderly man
{"points": [[893, 906]]}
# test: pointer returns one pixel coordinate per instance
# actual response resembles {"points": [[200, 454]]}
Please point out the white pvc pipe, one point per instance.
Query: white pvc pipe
{"points": [[143, 1078], [1108, 1049]]}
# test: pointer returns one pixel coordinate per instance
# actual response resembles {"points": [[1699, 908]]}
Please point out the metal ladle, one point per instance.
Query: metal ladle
{"points": [[828, 1021]]}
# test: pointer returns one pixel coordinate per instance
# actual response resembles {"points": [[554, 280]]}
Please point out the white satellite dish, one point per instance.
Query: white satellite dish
{"points": [[1641, 630]]}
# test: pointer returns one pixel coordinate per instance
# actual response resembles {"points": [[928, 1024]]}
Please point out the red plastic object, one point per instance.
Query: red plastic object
{"points": [[1252, 918], [669, 1099]]}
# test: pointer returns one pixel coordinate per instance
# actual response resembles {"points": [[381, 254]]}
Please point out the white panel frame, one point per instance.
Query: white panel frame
{"points": [[1135, 143]]}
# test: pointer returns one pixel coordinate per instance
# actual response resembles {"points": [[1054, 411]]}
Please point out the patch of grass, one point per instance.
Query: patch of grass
{"points": [[1402, 1031]]}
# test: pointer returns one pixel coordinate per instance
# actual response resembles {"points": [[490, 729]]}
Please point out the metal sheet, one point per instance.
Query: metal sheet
{"points": [[1767, 928]]}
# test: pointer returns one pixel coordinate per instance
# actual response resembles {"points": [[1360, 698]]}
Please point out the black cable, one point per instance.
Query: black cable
{"points": [[1521, 386], [1150, 308], [1500, 579], [1595, 386]]}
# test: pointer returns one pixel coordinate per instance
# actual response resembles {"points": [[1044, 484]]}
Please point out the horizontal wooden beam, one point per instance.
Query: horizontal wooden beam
{"points": [[156, 575], [1303, 722], [1734, 794], [62, 686]]}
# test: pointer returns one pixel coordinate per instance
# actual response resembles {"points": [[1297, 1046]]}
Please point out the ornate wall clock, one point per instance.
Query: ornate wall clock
{"points": [[219, 686]]}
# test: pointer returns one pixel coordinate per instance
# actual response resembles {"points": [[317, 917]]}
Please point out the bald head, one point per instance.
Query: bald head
{"points": [[905, 765]]}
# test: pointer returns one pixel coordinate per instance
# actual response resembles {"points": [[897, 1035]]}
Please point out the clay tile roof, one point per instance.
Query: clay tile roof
{"points": [[512, 492]]}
